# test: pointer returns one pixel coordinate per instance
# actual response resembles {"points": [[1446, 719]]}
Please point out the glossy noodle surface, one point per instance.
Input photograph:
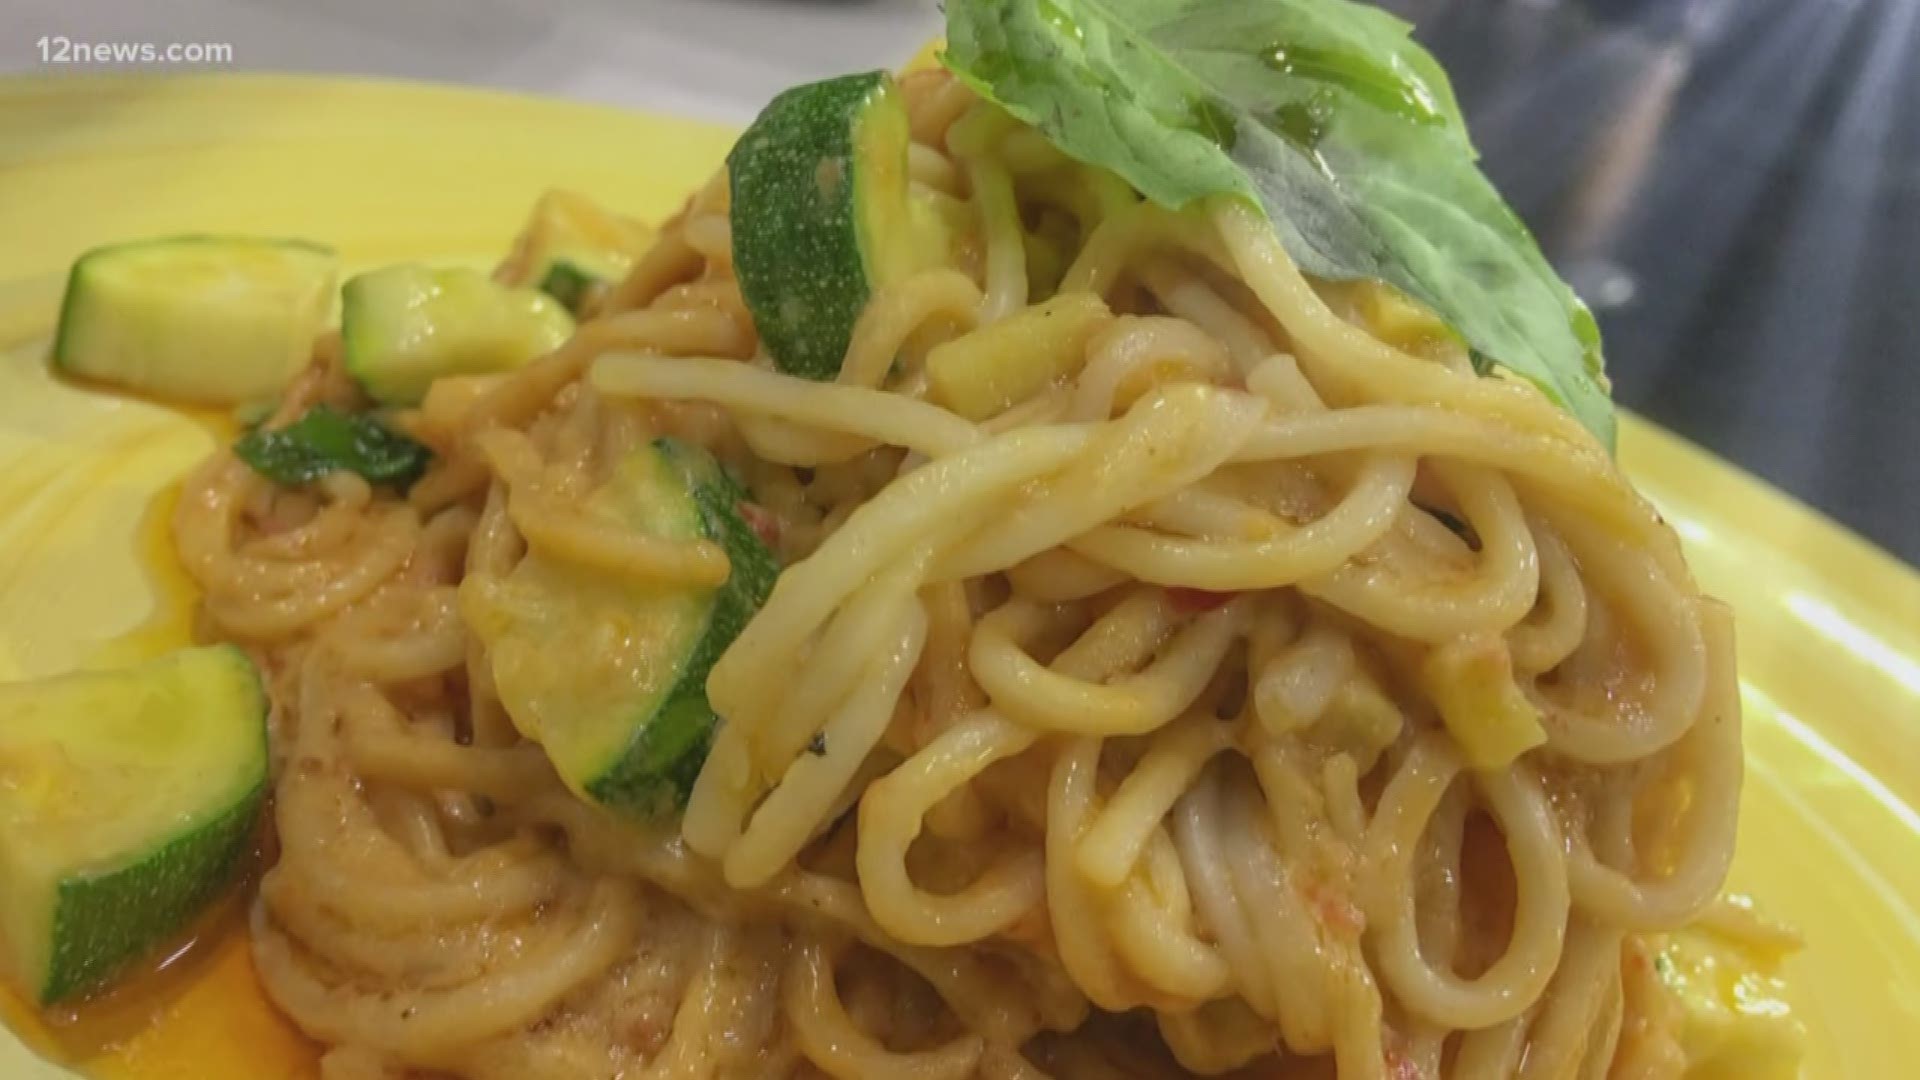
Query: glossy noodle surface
{"points": [[1264, 693]]}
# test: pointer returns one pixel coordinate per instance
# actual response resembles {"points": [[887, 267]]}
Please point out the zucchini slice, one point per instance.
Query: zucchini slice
{"points": [[212, 320], [611, 678], [820, 215], [403, 326], [567, 227], [127, 803], [982, 373]]}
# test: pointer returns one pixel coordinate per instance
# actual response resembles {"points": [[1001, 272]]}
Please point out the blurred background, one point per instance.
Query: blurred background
{"points": [[1733, 184]]}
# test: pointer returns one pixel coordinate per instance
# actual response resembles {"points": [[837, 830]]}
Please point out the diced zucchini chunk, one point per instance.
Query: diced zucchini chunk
{"points": [[570, 228], [211, 320], [1011, 360], [820, 215], [127, 803], [611, 677], [1471, 683], [404, 326]]}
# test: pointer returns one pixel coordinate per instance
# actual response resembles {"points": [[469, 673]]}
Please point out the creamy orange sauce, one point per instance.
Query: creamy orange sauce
{"points": [[204, 1017], [216, 1025]]}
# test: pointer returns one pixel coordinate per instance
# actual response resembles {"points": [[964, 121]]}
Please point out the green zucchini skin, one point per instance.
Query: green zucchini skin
{"points": [[406, 325], [90, 890], [609, 676], [102, 922], [655, 775], [799, 248]]}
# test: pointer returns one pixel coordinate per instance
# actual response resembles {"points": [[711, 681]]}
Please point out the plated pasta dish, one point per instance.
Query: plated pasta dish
{"points": [[1101, 557]]}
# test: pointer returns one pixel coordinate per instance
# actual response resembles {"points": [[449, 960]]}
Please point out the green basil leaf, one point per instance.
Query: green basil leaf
{"points": [[1323, 113], [326, 440]]}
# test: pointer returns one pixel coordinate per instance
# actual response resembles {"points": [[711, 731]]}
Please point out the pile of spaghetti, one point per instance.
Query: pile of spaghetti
{"points": [[1150, 725]]}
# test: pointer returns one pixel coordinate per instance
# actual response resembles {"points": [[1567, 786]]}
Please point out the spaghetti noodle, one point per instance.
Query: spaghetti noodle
{"points": [[1147, 726]]}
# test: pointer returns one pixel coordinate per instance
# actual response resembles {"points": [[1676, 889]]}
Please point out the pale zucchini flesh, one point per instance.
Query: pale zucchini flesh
{"points": [[610, 677], [128, 801], [210, 320], [982, 373], [572, 229], [403, 326]]}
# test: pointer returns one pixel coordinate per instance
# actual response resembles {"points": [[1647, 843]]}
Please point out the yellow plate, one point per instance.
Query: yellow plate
{"points": [[1829, 626]]}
